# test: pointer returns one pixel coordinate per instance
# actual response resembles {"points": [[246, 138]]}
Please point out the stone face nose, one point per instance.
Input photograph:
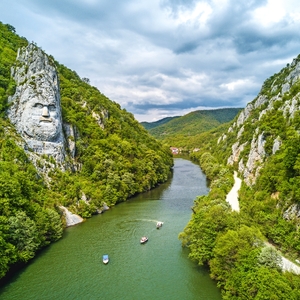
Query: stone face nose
{"points": [[45, 112]]}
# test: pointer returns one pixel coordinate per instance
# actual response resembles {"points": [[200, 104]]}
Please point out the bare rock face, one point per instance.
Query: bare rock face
{"points": [[71, 219], [236, 150], [244, 114], [35, 107]]}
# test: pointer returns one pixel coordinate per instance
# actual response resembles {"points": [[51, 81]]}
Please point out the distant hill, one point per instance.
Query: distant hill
{"points": [[150, 125], [174, 129]]}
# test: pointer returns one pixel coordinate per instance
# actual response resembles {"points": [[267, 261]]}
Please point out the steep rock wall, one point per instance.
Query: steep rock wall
{"points": [[35, 109], [250, 165]]}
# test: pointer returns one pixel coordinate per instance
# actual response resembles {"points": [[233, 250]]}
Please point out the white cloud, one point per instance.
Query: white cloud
{"points": [[197, 14], [273, 12], [165, 57], [276, 11], [237, 84]]}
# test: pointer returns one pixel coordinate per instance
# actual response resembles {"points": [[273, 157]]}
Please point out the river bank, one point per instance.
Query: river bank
{"points": [[72, 268]]}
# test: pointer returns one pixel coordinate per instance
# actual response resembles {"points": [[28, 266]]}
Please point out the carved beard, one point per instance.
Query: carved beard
{"points": [[40, 128]]}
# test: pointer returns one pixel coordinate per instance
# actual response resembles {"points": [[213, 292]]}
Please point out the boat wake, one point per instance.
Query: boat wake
{"points": [[149, 220]]}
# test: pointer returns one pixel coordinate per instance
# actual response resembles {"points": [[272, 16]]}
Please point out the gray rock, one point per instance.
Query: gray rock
{"points": [[241, 166], [100, 119], [292, 212], [255, 158], [244, 115], [260, 101], [276, 145], [290, 107], [285, 88], [71, 219], [35, 107], [236, 150], [294, 74], [274, 88], [240, 132], [71, 135]]}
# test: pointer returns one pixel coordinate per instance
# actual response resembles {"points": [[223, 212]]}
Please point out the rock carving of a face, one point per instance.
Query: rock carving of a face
{"points": [[41, 116], [35, 108]]}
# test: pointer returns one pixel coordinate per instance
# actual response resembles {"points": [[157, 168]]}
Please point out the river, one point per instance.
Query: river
{"points": [[72, 268]]}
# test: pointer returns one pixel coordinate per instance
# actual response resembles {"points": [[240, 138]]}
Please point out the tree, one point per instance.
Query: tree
{"points": [[230, 248], [22, 233], [86, 80], [263, 284], [49, 226], [210, 218]]}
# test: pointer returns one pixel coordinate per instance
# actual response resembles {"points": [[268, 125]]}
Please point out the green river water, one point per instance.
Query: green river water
{"points": [[72, 268]]}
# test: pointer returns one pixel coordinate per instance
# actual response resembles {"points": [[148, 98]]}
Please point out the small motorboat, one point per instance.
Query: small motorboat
{"points": [[143, 240], [159, 224], [105, 259]]}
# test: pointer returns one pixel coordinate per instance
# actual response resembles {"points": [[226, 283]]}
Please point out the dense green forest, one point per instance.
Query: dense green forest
{"points": [[114, 162], [233, 244], [184, 131]]}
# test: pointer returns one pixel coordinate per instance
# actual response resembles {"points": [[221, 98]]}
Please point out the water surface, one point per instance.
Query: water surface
{"points": [[72, 268]]}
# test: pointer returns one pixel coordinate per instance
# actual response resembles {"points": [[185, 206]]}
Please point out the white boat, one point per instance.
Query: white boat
{"points": [[159, 224], [143, 240], [105, 259]]}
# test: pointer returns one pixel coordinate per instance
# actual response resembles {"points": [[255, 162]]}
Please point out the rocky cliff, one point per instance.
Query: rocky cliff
{"points": [[66, 150], [267, 130], [279, 93], [35, 108], [54, 111]]}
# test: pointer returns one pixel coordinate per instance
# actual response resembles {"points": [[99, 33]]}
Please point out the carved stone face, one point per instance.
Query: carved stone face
{"points": [[41, 116], [35, 107]]}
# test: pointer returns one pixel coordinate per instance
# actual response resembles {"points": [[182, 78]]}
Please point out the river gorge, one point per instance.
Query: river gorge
{"points": [[72, 268]]}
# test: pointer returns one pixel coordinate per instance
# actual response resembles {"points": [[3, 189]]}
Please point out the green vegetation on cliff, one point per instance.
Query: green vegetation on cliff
{"points": [[232, 243], [113, 161], [118, 160]]}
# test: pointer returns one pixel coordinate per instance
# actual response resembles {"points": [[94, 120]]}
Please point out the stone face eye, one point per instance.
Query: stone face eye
{"points": [[52, 107], [38, 105]]}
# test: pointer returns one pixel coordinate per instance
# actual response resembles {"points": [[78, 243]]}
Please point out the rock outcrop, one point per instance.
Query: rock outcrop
{"points": [[35, 107], [35, 111], [267, 102], [71, 219]]}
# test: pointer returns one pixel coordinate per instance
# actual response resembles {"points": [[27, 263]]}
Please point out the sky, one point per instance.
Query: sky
{"points": [[161, 58]]}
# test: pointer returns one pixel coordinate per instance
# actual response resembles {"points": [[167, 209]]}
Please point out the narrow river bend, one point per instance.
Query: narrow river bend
{"points": [[72, 268]]}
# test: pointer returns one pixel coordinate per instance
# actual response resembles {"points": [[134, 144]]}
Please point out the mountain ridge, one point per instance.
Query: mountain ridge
{"points": [[262, 145], [150, 125], [178, 131]]}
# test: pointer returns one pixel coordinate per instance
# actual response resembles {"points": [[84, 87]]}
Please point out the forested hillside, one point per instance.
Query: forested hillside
{"points": [[262, 145], [114, 160], [183, 131], [151, 125]]}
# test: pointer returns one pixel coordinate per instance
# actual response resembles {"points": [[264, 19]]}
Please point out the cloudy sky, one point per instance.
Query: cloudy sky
{"points": [[160, 58]]}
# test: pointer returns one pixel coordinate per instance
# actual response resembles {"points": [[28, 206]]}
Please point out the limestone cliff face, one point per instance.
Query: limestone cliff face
{"points": [[250, 164], [35, 112], [35, 107]]}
